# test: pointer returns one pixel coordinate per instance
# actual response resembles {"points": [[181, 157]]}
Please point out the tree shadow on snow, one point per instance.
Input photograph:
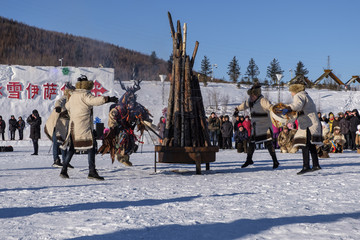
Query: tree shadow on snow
{"points": [[28, 211], [233, 230]]}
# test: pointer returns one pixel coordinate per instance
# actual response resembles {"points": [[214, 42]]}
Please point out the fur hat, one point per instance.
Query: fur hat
{"points": [[297, 87], [255, 90], [84, 83], [336, 128]]}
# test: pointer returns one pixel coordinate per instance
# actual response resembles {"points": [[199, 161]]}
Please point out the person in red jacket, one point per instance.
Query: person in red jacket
{"points": [[247, 125]]}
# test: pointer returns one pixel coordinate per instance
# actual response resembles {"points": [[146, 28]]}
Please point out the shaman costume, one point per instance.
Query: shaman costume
{"points": [[123, 118], [309, 129], [261, 124]]}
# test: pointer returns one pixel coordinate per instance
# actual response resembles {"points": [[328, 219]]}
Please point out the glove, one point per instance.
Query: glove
{"points": [[285, 111], [58, 109], [113, 99]]}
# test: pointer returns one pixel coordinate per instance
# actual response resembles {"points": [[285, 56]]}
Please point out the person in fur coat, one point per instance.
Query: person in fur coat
{"points": [[80, 134], [337, 141], [308, 134], [286, 140], [261, 124], [323, 151], [57, 126]]}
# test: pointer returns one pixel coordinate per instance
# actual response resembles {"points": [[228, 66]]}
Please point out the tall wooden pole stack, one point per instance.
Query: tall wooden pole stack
{"points": [[186, 121]]}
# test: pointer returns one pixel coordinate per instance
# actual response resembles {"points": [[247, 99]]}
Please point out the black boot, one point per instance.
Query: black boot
{"points": [[63, 173], [315, 168], [315, 159], [275, 161], [304, 170], [247, 163], [94, 175]]}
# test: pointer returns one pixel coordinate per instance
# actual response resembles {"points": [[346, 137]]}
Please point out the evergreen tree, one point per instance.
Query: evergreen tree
{"points": [[273, 69], [206, 67], [300, 69], [153, 58], [234, 70], [252, 70]]}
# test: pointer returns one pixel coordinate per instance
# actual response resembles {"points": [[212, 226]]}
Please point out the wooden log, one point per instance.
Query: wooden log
{"points": [[201, 113], [194, 54], [188, 105], [172, 30], [177, 102], [169, 128]]}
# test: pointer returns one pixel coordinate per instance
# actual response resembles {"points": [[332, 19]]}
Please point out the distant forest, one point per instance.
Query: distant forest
{"points": [[21, 44]]}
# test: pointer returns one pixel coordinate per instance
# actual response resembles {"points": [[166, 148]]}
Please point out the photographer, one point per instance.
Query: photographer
{"points": [[35, 122]]}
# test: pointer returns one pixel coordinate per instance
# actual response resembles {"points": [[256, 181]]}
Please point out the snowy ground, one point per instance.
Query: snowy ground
{"points": [[226, 202]]}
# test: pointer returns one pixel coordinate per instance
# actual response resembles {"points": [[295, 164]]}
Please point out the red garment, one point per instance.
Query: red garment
{"points": [[247, 126]]}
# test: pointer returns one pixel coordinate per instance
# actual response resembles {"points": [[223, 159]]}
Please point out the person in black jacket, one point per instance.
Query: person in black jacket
{"points": [[345, 129], [35, 122], [12, 127], [2, 128], [21, 126], [354, 121], [227, 133], [241, 138]]}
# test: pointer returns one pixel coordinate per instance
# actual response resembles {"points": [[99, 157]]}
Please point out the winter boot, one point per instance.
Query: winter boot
{"points": [[63, 173], [57, 163], [315, 168], [94, 175], [275, 161], [247, 163], [304, 170]]}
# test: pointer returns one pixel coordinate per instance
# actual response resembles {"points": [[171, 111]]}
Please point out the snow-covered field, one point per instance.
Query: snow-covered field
{"points": [[226, 202]]}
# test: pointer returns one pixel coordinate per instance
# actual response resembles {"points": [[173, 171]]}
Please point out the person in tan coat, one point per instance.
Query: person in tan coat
{"points": [[80, 135], [309, 129], [286, 140], [261, 124], [56, 127], [323, 150]]}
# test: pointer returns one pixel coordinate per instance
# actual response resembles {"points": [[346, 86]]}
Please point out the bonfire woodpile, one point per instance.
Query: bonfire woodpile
{"points": [[186, 121]]}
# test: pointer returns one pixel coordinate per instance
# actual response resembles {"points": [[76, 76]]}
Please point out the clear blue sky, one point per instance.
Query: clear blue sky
{"points": [[288, 30]]}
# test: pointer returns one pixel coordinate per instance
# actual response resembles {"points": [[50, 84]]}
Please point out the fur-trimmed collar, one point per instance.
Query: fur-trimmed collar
{"points": [[87, 85], [296, 88]]}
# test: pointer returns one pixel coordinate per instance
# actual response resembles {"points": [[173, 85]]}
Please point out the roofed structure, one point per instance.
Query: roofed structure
{"points": [[328, 73], [352, 80]]}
